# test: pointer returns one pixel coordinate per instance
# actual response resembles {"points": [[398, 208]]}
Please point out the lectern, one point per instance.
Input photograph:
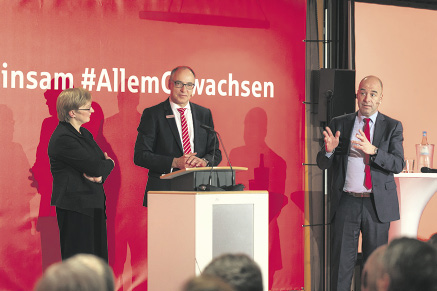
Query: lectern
{"points": [[187, 229]]}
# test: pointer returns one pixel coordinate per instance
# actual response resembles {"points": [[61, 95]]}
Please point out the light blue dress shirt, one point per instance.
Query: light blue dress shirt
{"points": [[356, 161]]}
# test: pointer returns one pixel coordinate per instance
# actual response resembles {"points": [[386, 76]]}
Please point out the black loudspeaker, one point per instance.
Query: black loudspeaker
{"points": [[335, 93]]}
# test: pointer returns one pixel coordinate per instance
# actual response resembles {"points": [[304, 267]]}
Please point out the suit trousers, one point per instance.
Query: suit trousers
{"points": [[80, 233], [353, 215]]}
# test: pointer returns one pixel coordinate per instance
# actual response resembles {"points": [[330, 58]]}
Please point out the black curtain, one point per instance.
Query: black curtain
{"points": [[340, 34]]}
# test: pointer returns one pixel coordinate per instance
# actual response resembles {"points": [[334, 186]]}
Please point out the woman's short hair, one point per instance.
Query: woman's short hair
{"points": [[71, 99]]}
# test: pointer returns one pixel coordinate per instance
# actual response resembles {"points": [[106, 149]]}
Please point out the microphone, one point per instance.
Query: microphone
{"points": [[329, 94], [428, 170], [233, 187]]}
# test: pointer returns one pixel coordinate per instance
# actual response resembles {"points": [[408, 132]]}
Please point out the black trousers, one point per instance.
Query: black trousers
{"points": [[80, 233], [354, 215]]}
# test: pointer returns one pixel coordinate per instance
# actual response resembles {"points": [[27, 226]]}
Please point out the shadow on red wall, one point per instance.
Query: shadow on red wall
{"points": [[126, 211], [266, 171], [20, 251]]}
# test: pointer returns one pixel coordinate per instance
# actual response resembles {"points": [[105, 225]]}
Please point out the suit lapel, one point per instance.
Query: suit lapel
{"points": [[348, 125], [196, 126], [172, 124], [380, 127]]}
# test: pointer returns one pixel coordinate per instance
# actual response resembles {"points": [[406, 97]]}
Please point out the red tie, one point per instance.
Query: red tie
{"points": [[368, 179], [185, 135]]}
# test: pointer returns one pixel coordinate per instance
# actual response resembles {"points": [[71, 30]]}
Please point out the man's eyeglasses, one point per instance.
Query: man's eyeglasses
{"points": [[179, 84], [87, 109]]}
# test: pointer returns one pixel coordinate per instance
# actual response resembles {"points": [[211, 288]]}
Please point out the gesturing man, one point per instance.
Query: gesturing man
{"points": [[363, 150]]}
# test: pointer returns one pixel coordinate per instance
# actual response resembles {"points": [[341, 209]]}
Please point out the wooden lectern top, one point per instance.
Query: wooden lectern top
{"points": [[207, 192], [201, 169]]}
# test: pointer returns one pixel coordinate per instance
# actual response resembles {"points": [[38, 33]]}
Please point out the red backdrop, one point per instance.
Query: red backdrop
{"points": [[249, 60]]}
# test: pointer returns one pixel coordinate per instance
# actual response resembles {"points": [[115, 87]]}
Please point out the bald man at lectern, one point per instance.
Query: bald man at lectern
{"points": [[363, 150], [170, 136]]}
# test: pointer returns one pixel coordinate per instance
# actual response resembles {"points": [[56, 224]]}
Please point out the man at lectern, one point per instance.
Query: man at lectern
{"points": [[363, 150], [170, 135]]}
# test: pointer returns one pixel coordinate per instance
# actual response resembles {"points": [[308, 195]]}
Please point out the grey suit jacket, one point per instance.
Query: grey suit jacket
{"points": [[388, 138], [158, 142]]}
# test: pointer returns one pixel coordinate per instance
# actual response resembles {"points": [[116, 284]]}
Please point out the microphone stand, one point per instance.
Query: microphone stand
{"points": [[233, 186], [213, 158], [229, 161]]}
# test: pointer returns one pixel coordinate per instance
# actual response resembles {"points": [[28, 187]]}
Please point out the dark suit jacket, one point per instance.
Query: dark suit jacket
{"points": [[388, 138], [72, 154], [158, 142]]}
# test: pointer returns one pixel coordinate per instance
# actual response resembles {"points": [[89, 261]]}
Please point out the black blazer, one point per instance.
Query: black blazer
{"points": [[71, 154], [158, 142], [388, 138]]}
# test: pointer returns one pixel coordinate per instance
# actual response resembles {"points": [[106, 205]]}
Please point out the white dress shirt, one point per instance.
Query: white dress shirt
{"points": [[189, 117]]}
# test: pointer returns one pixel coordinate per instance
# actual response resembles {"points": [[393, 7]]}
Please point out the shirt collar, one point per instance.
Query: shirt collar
{"points": [[175, 107], [372, 117]]}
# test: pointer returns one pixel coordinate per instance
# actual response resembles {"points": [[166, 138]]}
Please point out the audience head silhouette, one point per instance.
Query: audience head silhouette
{"points": [[238, 270], [207, 283], [433, 240], [81, 272], [373, 269], [409, 264]]}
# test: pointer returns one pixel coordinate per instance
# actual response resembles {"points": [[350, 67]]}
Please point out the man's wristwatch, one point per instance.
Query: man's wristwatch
{"points": [[207, 162], [376, 151]]}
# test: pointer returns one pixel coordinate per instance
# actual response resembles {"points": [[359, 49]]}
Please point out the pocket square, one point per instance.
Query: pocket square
{"points": [[169, 116]]}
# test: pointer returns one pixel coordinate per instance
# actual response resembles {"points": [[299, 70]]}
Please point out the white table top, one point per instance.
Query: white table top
{"points": [[416, 175]]}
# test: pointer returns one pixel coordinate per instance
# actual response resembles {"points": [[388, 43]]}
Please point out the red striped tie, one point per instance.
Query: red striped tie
{"points": [[185, 135], [368, 179]]}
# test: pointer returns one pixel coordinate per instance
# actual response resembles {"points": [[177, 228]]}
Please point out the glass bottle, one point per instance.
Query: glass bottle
{"points": [[424, 159], [424, 139]]}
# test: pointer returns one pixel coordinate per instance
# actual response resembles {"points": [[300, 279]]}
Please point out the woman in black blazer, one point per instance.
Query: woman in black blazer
{"points": [[79, 169]]}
